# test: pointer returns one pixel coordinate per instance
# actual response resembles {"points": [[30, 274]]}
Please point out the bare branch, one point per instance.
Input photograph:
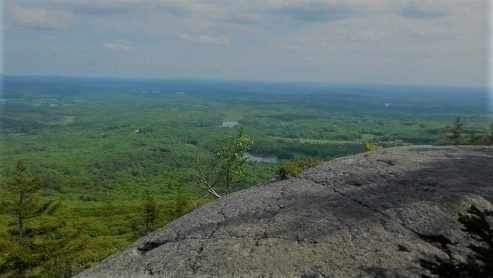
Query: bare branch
{"points": [[202, 181]]}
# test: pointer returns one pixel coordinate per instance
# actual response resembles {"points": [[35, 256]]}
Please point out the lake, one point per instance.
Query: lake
{"points": [[264, 159], [230, 124]]}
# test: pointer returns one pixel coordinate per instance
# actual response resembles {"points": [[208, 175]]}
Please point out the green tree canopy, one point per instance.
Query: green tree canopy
{"points": [[38, 240]]}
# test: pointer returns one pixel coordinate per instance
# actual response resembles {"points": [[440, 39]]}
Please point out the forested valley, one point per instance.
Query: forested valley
{"points": [[90, 165]]}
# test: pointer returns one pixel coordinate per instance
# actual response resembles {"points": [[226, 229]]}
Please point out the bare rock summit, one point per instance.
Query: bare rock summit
{"points": [[364, 215]]}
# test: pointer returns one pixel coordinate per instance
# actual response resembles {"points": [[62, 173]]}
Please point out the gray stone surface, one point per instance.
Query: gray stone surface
{"points": [[357, 216]]}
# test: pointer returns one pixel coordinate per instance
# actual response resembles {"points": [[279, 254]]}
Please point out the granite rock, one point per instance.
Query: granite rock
{"points": [[365, 215]]}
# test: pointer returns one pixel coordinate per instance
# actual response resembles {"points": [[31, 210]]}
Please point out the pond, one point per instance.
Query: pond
{"points": [[230, 124], [264, 159]]}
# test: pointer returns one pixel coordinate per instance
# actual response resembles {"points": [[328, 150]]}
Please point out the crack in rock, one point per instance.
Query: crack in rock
{"points": [[369, 215]]}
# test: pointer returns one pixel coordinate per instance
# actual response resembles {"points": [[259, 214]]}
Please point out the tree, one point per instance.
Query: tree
{"points": [[231, 156], [181, 203], [455, 133], [147, 219], [36, 236], [149, 213], [227, 165], [490, 135]]}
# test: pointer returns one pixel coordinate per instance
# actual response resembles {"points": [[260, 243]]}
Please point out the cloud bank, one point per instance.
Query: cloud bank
{"points": [[376, 41]]}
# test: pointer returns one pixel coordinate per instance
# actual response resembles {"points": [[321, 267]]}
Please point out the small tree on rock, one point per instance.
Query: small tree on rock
{"points": [[227, 165], [231, 156]]}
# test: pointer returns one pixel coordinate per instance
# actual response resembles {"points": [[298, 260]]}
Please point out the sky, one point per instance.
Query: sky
{"points": [[425, 42]]}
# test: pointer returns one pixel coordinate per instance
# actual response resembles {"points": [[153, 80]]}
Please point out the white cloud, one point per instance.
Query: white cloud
{"points": [[41, 18], [98, 7], [449, 35], [207, 40], [118, 46]]}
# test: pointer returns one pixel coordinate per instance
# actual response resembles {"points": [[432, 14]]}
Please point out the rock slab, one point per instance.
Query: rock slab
{"points": [[358, 216]]}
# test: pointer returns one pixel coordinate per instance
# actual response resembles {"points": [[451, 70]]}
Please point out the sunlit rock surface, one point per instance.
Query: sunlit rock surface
{"points": [[357, 216]]}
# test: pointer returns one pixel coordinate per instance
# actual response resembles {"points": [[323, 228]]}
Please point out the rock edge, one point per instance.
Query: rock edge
{"points": [[356, 216]]}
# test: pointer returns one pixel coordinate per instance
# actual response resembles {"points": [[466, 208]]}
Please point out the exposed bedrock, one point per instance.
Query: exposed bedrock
{"points": [[356, 216]]}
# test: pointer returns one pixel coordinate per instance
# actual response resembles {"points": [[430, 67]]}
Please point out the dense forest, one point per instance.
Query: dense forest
{"points": [[106, 161]]}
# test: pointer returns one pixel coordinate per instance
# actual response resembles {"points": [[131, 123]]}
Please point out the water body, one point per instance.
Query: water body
{"points": [[264, 159], [230, 124]]}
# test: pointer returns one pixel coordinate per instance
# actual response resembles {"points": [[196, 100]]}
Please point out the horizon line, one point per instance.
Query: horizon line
{"points": [[488, 87]]}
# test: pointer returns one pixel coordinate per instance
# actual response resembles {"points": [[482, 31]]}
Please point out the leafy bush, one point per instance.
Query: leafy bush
{"points": [[367, 146], [294, 167]]}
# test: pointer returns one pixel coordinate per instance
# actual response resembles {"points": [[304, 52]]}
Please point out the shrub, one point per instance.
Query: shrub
{"points": [[367, 146], [294, 167]]}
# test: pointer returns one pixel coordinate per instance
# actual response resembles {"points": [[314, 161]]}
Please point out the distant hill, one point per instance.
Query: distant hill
{"points": [[362, 215]]}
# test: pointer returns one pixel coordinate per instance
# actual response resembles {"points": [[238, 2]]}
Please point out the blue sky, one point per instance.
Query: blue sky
{"points": [[439, 42]]}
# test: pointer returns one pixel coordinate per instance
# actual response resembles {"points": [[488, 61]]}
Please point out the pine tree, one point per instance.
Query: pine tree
{"points": [[36, 237], [181, 203], [490, 135], [149, 213], [147, 219], [455, 133]]}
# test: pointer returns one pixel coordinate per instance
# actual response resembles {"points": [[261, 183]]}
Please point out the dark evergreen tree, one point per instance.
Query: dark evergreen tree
{"points": [[181, 203], [490, 135], [147, 219], [149, 213], [37, 238], [455, 132]]}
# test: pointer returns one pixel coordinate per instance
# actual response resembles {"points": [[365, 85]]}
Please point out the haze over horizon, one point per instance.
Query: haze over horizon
{"points": [[333, 41]]}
